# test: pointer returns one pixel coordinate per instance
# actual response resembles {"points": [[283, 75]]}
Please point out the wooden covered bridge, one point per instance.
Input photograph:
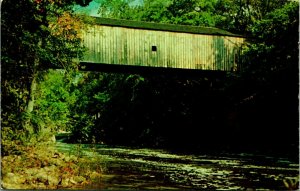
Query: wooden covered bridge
{"points": [[133, 43]]}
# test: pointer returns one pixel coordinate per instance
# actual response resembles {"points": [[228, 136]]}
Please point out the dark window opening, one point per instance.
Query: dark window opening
{"points": [[154, 48]]}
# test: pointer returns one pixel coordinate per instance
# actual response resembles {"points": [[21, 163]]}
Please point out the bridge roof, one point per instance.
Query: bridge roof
{"points": [[163, 27]]}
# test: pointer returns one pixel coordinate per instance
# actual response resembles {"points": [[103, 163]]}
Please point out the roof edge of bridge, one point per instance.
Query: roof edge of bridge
{"points": [[163, 27]]}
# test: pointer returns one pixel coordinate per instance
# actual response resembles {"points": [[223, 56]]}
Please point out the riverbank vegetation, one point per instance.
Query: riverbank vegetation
{"points": [[42, 167], [43, 92], [36, 35]]}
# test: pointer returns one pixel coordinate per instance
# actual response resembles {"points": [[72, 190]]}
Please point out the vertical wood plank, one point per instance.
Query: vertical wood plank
{"points": [[127, 46]]}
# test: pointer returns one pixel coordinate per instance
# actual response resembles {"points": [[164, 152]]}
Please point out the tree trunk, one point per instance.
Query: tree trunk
{"points": [[33, 85], [30, 104]]}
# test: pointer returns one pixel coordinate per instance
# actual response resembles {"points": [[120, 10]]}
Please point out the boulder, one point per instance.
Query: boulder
{"points": [[13, 178], [40, 186], [79, 179], [52, 139], [65, 182], [42, 176], [12, 186], [53, 180], [13, 181], [95, 175], [31, 171]]}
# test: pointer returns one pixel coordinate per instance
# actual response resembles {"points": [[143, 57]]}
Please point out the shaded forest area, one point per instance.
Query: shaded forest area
{"points": [[195, 113], [252, 109]]}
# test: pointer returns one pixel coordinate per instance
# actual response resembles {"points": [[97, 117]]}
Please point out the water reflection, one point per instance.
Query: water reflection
{"points": [[131, 168]]}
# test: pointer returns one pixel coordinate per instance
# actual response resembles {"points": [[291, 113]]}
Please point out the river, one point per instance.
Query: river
{"points": [[143, 168]]}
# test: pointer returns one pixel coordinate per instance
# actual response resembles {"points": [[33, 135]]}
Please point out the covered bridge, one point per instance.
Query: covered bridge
{"points": [[133, 43]]}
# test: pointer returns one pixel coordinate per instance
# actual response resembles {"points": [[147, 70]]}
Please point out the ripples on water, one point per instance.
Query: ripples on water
{"points": [[131, 168]]}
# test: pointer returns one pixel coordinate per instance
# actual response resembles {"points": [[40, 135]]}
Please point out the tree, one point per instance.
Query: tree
{"points": [[116, 9], [267, 96], [36, 35], [239, 15], [55, 99], [187, 12]]}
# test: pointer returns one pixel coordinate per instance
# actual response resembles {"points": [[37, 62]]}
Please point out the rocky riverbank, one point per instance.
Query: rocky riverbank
{"points": [[42, 167]]}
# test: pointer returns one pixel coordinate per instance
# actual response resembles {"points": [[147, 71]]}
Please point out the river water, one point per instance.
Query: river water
{"points": [[141, 168]]}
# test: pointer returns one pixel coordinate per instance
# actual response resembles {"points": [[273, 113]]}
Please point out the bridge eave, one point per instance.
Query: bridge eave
{"points": [[115, 68]]}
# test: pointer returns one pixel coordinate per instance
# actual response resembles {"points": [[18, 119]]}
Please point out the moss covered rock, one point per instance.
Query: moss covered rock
{"points": [[44, 168]]}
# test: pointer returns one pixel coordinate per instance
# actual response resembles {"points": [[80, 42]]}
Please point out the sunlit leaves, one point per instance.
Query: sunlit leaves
{"points": [[67, 26], [55, 98], [114, 8], [190, 12]]}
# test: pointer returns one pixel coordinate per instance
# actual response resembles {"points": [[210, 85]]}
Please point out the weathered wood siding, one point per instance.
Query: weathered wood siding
{"points": [[130, 46]]}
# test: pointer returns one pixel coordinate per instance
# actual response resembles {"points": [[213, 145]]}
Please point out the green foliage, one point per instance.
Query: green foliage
{"points": [[55, 99], [235, 16], [275, 28], [188, 12], [115, 8], [268, 86], [31, 44], [82, 128]]}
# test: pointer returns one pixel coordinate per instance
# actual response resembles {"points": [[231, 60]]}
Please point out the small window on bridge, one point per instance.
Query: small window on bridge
{"points": [[154, 48]]}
